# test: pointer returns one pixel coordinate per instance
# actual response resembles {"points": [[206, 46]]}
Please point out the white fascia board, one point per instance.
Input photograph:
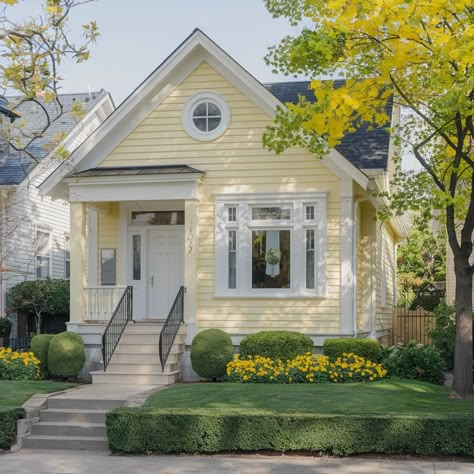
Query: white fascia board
{"points": [[343, 168], [104, 107]]}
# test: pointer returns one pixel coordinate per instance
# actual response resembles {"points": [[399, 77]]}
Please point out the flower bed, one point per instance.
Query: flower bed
{"points": [[306, 368], [18, 365]]}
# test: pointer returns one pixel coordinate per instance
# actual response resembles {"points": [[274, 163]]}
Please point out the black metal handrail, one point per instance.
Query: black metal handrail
{"points": [[171, 327], [121, 316]]}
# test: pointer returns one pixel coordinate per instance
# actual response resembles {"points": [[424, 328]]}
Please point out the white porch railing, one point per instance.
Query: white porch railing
{"points": [[101, 301]]}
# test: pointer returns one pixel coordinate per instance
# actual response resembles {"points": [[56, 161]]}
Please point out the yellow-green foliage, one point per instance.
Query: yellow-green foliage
{"points": [[18, 365], [306, 368]]}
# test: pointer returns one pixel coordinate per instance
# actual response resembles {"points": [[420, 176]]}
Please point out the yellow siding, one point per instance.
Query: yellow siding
{"points": [[108, 231], [237, 162]]}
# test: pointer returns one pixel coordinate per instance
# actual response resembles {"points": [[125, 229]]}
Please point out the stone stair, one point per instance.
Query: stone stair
{"points": [[136, 359], [71, 423]]}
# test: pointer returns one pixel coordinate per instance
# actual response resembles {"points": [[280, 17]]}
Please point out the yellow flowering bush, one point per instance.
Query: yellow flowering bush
{"points": [[18, 365], [306, 368]]}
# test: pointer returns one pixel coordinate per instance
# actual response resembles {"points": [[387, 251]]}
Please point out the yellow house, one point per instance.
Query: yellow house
{"points": [[175, 200]]}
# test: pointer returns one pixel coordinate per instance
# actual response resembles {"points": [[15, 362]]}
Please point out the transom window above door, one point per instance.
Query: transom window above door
{"points": [[271, 246], [157, 218]]}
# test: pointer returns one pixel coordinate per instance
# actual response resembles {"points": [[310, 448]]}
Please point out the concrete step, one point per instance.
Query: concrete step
{"points": [[140, 368], [83, 403], [96, 443], [144, 348], [73, 416], [56, 428], [147, 338], [140, 358], [138, 328], [158, 378]]}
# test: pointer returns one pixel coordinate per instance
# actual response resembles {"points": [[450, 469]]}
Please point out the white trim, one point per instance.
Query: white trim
{"points": [[136, 188], [187, 119], [92, 253], [297, 226], [45, 230], [347, 270]]}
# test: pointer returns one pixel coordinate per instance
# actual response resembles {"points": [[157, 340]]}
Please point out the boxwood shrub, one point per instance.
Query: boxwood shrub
{"points": [[66, 355], [211, 351], [8, 417], [366, 348], [40, 347], [148, 430], [275, 345]]}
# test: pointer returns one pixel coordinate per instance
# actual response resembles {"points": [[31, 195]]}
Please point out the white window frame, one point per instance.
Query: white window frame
{"points": [[383, 276], [49, 255], [297, 225], [188, 122]]}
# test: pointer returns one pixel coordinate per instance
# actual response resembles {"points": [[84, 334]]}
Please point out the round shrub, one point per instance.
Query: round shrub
{"points": [[39, 347], [366, 348], [211, 351], [66, 355], [415, 361], [275, 345]]}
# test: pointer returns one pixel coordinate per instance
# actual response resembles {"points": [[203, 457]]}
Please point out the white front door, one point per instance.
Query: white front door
{"points": [[165, 262]]}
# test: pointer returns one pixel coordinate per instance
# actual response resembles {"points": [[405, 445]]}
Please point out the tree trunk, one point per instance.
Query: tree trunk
{"points": [[39, 318], [462, 376]]}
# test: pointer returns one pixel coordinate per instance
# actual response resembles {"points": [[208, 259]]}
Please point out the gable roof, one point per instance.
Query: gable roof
{"points": [[366, 149], [14, 167], [195, 49]]}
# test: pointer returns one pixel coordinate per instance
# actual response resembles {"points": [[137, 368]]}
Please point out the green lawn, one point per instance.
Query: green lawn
{"points": [[15, 393], [392, 397]]}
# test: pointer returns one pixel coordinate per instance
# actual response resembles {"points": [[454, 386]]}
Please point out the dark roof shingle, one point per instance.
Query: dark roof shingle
{"points": [[366, 149]]}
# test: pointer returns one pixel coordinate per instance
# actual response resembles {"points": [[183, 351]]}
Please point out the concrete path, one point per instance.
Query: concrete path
{"points": [[73, 462]]}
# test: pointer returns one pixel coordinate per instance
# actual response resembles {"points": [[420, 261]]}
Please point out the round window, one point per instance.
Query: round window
{"points": [[206, 116]]}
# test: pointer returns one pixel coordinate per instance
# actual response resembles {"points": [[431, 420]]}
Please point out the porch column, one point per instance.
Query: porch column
{"points": [[347, 270], [78, 261], [191, 242]]}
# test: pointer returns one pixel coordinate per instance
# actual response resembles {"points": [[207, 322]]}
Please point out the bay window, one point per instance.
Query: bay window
{"points": [[271, 245]]}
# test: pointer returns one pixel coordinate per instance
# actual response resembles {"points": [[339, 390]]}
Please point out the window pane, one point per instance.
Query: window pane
{"points": [[310, 213], [42, 267], [200, 110], [157, 217], [310, 259], [232, 259], [213, 110], [213, 123], [232, 214], [137, 256], [271, 259], [271, 213], [107, 267], [201, 124], [42, 243]]}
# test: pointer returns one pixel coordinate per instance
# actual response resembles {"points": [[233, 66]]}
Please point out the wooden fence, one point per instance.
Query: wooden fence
{"points": [[412, 325]]}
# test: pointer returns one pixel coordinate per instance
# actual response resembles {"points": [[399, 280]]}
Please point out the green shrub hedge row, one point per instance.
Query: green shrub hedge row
{"points": [[145, 430], [8, 417], [366, 348], [40, 347], [275, 345]]}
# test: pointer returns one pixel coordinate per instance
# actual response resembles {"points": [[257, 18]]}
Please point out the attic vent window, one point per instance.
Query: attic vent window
{"points": [[206, 116]]}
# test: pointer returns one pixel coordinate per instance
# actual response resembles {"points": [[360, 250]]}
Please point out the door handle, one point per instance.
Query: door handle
{"points": [[152, 281]]}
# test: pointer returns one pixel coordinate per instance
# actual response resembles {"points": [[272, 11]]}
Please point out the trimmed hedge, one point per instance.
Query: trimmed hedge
{"points": [[145, 430], [66, 355], [211, 351], [8, 417], [275, 345], [366, 348], [39, 347]]}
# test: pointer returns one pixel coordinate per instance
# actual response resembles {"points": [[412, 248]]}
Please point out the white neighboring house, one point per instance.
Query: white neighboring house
{"points": [[34, 230]]}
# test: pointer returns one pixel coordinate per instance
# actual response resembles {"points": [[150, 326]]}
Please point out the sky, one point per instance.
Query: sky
{"points": [[137, 35]]}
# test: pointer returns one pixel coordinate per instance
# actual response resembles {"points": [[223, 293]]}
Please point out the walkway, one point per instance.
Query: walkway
{"points": [[73, 462]]}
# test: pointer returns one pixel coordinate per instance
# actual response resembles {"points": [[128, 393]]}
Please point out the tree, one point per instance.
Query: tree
{"points": [[32, 50], [420, 54], [421, 260], [40, 297]]}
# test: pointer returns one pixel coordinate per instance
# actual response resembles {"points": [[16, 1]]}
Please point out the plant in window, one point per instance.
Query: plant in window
{"points": [[272, 258]]}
